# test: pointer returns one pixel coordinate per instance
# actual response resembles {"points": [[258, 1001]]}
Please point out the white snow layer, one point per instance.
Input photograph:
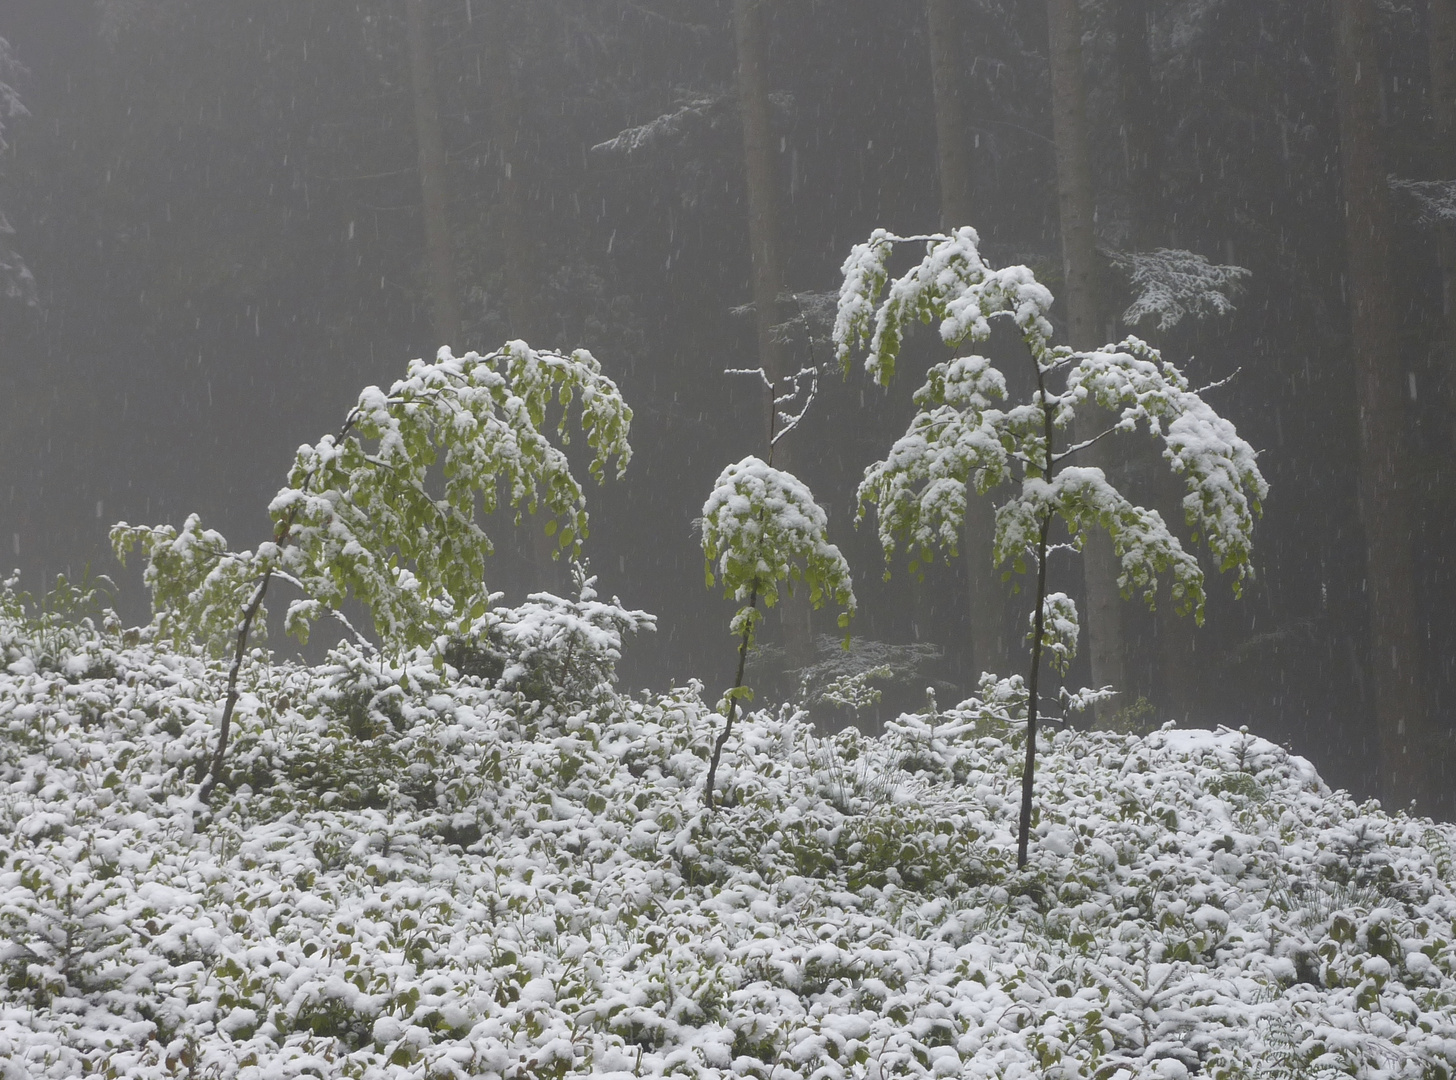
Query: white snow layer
{"points": [[411, 873]]}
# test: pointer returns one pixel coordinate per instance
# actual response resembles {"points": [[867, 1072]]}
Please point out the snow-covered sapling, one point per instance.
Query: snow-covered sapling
{"points": [[965, 434], [386, 511], [762, 531]]}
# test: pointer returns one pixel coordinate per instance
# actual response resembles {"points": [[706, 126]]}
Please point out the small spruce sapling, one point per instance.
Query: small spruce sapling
{"points": [[965, 435], [762, 531], [386, 510]]}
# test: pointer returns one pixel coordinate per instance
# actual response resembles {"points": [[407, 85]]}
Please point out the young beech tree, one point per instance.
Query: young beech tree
{"points": [[386, 511], [762, 530], [966, 434]]}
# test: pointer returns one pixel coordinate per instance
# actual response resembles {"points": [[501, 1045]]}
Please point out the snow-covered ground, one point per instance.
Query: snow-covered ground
{"points": [[412, 874]]}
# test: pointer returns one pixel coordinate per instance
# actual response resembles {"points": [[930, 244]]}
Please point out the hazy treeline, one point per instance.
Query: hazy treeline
{"points": [[237, 213]]}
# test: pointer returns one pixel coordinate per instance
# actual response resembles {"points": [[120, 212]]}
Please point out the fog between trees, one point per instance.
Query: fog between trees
{"points": [[234, 215]]}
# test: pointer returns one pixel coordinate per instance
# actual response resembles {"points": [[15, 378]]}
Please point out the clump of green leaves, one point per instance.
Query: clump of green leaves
{"points": [[387, 511], [763, 531]]}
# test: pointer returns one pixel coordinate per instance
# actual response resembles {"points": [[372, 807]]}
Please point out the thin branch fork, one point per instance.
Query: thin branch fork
{"points": [[1057, 459]]}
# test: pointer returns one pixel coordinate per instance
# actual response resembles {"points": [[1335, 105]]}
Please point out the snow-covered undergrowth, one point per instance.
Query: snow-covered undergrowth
{"points": [[409, 874]]}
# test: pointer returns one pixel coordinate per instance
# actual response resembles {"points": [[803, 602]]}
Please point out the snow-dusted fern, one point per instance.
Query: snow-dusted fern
{"points": [[967, 435]]}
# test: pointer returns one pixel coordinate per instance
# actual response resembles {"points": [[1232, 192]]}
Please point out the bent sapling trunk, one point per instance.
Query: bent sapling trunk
{"points": [[214, 771], [743, 645]]}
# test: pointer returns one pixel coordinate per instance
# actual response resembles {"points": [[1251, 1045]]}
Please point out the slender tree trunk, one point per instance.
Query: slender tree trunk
{"points": [[1076, 197], [986, 592], [766, 252], [1140, 122], [434, 191], [1384, 489], [760, 161], [953, 155]]}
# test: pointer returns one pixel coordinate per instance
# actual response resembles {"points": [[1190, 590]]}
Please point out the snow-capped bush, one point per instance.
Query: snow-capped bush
{"points": [[407, 874]]}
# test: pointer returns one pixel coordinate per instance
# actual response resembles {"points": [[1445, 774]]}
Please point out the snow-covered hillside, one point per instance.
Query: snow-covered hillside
{"points": [[411, 872]]}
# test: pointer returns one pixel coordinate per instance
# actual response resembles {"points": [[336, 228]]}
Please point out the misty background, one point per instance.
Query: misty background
{"points": [[225, 217]]}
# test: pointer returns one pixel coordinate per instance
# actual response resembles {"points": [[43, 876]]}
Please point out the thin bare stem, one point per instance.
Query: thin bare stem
{"points": [[1069, 451]]}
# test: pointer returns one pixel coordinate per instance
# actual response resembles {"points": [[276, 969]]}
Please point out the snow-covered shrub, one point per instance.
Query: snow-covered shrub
{"points": [[362, 518], [386, 513], [963, 438], [540, 891], [550, 649]]}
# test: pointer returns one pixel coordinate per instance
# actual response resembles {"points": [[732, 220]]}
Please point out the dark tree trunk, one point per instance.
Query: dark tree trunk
{"points": [[766, 251], [760, 163], [434, 189], [1140, 125], [1442, 43], [1385, 506], [1173, 690], [986, 592], [1076, 197], [518, 251], [518, 254]]}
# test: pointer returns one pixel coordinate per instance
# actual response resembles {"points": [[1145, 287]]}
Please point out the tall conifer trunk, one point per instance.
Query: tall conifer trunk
{"points": [[518, 254], [1076, 198], [434, 189], [986, 595], [1174, 689], [1385, 505], [766, 251], [1442, 45]]}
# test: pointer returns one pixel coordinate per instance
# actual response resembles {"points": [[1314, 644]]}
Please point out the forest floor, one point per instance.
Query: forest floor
{"points": [[412, 872]]}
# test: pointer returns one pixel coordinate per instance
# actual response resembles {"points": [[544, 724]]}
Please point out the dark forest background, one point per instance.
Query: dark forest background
{"points": [[238, 212]]}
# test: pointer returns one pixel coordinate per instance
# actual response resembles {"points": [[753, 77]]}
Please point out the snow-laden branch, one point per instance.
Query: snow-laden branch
{"points": [[1172, 284], [669, 127], [1435, 200]]}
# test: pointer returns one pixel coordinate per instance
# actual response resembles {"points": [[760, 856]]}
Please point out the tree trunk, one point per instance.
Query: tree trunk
{"points": [[1384, 489], [1102, 619], [986, 592], [765, 244], [766, 252], [518, 252], [1140, 123], [434, 191], [517, 256], [1442, 42], [1173, 690]]}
